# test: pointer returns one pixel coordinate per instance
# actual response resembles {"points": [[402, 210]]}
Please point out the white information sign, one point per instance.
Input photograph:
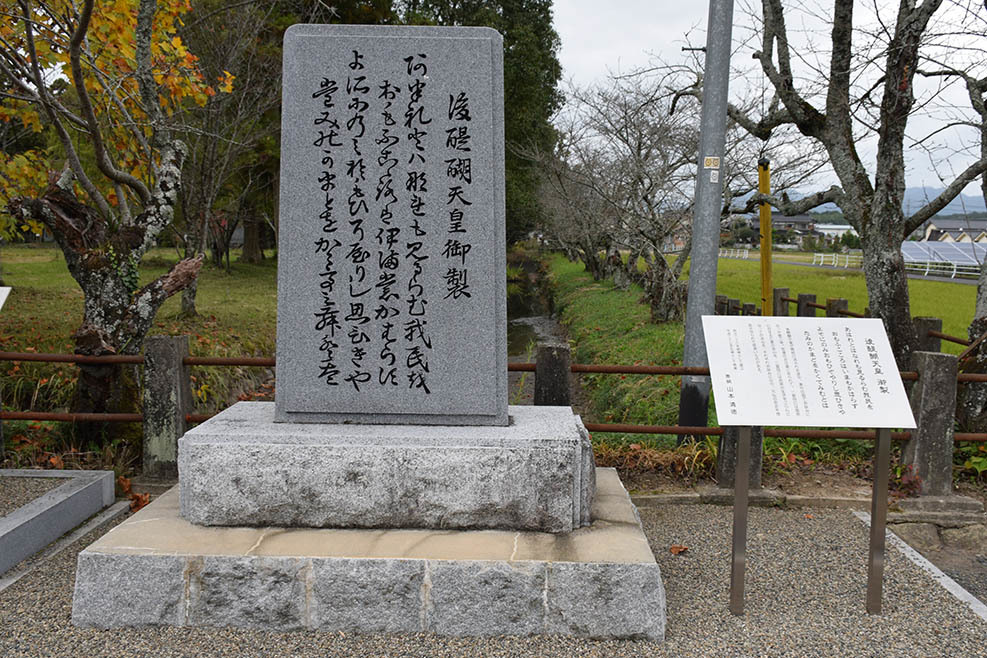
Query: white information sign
{"points": [[4, 291], [813, 372]]}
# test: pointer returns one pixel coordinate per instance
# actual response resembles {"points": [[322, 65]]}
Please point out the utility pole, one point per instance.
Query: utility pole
{"points": [[694, 400]]}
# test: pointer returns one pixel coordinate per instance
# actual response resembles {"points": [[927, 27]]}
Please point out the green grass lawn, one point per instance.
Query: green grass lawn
{"points": [[237, 309], [610, 326], [237, 317], [953, 302]]}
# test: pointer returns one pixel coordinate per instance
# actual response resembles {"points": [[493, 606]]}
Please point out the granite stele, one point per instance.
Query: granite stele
{"points": [[390, 487]]}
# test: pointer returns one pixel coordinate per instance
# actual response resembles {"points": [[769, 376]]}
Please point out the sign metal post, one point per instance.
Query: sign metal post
{"points": [[878, 520], [740, 493]]}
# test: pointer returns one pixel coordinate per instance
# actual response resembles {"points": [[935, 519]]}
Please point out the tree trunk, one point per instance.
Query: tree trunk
{"points": [[253, 252], [188, 300], [117, 315], [971, 397], [887, 286], [633, 273], [665, 294]]}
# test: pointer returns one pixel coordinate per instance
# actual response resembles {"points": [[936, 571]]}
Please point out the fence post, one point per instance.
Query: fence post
{"points": [[834, 305], [552, 374], [933, 400], [726, 458], [733, 307], [720, 307], [804, 310], [780, 307], [927, 343], [750, 309], [167, 399]]}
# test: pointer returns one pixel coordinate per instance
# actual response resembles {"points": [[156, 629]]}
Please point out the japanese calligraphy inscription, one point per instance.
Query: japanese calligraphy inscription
{"points": [[391, 280]]}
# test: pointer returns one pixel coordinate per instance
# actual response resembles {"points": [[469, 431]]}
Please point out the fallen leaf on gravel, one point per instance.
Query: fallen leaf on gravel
{"points": [[139, 500], [809, 516], [677, 548]]}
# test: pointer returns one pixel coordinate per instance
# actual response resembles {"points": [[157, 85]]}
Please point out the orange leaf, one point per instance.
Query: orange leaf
{"points": [[138, 501], [809, 516], [676, 549]]}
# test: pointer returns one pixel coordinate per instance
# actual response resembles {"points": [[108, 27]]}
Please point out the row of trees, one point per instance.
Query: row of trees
{"points": [[862, 87], [623, 174]]}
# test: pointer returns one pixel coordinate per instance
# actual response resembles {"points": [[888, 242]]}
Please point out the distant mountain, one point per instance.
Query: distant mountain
{"points": [[916, 197]]}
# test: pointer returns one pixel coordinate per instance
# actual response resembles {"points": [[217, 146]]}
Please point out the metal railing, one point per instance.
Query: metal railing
{"points": [[845, 261], [623, 428], [742, 254]]}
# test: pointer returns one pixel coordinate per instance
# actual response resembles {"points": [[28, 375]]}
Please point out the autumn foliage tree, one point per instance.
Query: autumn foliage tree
{"points": [[109, 82]]}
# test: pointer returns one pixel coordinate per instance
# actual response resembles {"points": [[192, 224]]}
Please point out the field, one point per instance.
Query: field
{"points": [[237, 317], [609, 326], [953, 302]]}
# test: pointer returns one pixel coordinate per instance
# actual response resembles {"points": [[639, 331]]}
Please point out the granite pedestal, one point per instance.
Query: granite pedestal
{"points": [[156, 568], [241, 468]]}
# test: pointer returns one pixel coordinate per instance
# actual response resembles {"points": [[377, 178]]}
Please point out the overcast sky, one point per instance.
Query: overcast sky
{"points": [[618, 36]]}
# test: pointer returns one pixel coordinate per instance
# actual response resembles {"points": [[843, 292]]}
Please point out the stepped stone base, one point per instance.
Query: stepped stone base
{"points": [[241, 468], [600, 581]]}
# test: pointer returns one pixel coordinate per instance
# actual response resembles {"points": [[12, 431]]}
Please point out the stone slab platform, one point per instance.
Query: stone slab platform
{"points": [[240, 468], [600, 581]]}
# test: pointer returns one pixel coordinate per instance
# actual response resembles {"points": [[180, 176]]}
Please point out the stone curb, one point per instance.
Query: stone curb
{"points": [[763, 498], [770, 498], [30, 528], [111, 513], [941, 519], [976, 605]]}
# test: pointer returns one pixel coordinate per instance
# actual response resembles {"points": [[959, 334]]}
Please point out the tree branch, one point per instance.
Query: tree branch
{"points": [[73, 157], [809, 120], [144, 75], [947, 195], [788, 207], [102, 157]]}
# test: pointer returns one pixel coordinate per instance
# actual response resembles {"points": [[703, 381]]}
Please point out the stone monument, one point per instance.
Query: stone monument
{"points": [[389, 487]]}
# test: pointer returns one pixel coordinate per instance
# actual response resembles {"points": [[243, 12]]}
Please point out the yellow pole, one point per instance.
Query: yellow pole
{"points": [[764, 187]]}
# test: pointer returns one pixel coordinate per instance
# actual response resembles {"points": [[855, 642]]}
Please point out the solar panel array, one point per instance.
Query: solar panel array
{"points": [[957, 253]]}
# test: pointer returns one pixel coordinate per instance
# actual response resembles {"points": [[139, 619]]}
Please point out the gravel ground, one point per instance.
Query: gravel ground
{"points": [[15, 492], [805, 597]]}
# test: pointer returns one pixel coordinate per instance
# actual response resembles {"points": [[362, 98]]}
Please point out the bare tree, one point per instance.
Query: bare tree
{"points": [[865, 91], [226, 133], [631, 146], [971, 406]]}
